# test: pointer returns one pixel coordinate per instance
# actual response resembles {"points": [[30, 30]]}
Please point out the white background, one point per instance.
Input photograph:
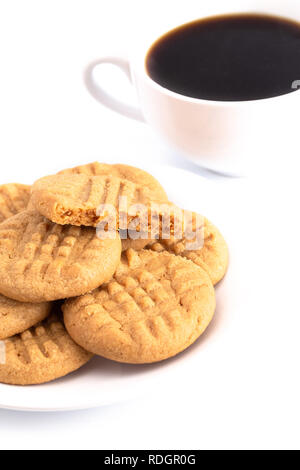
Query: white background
{"points": [[48, 121]]}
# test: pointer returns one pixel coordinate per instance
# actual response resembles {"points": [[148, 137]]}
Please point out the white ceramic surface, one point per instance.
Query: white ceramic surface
{"points": [[235, 138], [254, 334], [103, 382]]}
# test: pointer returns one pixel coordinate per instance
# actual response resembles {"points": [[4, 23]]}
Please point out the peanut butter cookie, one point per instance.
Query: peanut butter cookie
{"points": [[76, 198], [41, 261], [16, 317], [156, 305], [40, 354], [212, 256], [124, 172]]}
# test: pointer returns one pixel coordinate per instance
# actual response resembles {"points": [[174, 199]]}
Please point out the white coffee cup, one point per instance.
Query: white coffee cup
{"points": [[234, 138]]}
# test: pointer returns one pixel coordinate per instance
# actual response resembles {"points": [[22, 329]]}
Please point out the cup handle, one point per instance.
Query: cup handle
{"points": [[106, 98]]}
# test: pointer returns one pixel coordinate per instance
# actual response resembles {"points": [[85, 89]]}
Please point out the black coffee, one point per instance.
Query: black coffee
{"points": [[229, 58]]}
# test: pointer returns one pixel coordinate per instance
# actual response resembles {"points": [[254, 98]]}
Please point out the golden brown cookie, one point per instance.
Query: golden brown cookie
{"points": [[124, 172], [16, 317], [42, 261], [212, 256], [40, 354], [156, 305], [76, 198], [14, 198]]}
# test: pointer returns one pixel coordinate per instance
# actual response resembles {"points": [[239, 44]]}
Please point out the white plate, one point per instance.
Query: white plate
{"points": [[103, 382]]}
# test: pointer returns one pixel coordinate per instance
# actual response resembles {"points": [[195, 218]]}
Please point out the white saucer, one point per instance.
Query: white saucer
{"points": [[103, 382]]}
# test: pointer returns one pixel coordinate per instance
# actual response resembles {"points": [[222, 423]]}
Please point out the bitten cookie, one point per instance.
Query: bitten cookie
{"points": [[16, 317], [14, 198], [41, 261], [75, 198], [212, 256], [40, 354], [124, 172], [156, 305]]}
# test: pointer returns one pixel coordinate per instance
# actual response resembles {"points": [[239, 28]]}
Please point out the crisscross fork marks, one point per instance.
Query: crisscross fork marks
{"points": [[22, 200], [13, 199], [127, 298], [9, 231], [67, 237], [36, 252], [50, 245], [124, 300], [116, 322], [48, 338], [59, 247], [139, 297], [7, 200], [33, 249], [130, 292], [20, 349], [30, 233], [73, 258], [39, 343], [178, 246]]}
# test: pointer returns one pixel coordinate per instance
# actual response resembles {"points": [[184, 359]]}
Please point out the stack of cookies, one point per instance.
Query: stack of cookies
{"points": [[67, 292]]}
